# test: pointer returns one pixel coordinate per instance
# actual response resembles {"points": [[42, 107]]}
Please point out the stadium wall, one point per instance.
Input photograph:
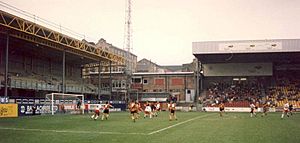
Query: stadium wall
{"points": [[234, 109], [238, 69]]}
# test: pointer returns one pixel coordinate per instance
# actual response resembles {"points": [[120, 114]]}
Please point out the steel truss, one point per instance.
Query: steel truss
{"points": [[20, 28]]}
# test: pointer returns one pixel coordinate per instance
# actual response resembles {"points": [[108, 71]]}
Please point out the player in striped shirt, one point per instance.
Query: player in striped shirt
{"points": [[133, 108], [172, 109], [106, 111]]}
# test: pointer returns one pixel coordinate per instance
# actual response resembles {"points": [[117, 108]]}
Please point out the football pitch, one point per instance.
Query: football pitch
{"points": [[191, 127]]}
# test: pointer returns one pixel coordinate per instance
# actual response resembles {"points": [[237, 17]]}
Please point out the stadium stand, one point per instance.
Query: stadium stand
{"points": [[242, 94]]}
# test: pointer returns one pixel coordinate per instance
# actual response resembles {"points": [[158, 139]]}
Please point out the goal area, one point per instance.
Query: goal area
{"points": [[60, 103]]}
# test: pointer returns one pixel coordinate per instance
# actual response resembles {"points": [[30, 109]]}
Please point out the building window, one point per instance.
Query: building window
{"points": [[145, 81], [188, 91], [123, 85], [136, 80]]}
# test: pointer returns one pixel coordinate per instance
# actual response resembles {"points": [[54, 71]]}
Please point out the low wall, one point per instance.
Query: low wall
{"points": [[234, 109]]}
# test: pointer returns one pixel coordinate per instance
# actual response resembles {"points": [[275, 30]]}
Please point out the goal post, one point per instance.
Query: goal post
{"points": [[64, 103]]}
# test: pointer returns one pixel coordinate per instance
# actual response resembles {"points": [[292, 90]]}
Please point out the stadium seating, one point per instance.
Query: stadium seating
{"points": [[241, 95]]}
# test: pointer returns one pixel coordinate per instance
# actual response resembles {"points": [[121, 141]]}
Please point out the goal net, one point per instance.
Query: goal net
{"points": [[63, 103]]}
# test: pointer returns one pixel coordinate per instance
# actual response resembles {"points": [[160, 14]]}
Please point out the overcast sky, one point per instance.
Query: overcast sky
{"points": [[163, 30]]}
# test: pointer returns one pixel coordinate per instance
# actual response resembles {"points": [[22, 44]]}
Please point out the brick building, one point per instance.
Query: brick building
{"points": [[180, 85]]}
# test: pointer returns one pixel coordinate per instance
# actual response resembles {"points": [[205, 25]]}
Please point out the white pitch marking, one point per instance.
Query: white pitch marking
{"points": [[154, 132], [70, 131]]}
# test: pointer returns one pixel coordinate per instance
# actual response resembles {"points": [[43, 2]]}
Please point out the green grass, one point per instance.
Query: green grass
{"points": [[191, 127]]}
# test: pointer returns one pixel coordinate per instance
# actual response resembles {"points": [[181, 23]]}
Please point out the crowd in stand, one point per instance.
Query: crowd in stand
{"points": [[232, 92], [285, 87], [246, 92]]}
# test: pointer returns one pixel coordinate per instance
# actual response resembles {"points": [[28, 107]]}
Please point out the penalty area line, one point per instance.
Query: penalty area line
{"points": [[70, 131], [157, 131]]}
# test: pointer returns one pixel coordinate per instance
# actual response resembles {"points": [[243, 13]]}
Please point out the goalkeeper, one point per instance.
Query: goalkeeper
{"points": [[79, 104]]}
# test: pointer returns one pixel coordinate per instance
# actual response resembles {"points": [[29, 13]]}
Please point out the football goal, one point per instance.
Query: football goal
{"points": [[63, 103]]}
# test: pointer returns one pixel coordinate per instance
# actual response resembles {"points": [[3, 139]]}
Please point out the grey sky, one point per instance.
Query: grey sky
{"points": [[163, 30]]}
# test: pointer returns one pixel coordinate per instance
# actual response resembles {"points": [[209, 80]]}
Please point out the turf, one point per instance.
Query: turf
{"points": [[190, 127]]}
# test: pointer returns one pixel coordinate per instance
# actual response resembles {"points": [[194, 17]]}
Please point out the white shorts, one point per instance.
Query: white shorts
{"points": [[148, 109]]}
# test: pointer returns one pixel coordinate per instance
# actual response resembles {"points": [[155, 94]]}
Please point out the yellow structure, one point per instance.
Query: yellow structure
{"points": [[32, 32]]}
